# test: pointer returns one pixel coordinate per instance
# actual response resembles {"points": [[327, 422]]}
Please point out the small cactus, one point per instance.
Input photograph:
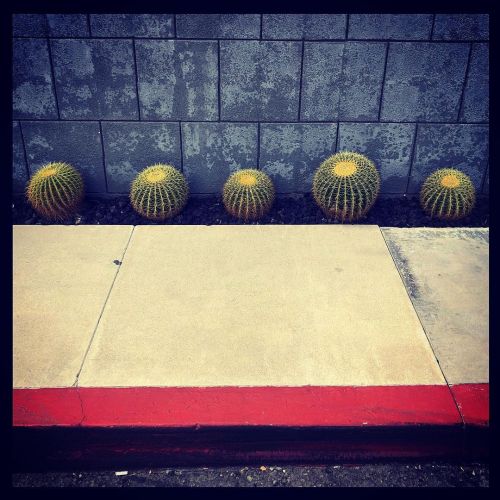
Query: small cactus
{"points": [[346, 185], [55, 190], [159, 192], [447, 194], [248, 194]]}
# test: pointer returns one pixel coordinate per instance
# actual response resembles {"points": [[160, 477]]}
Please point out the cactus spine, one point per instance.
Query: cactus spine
{"points": [[55, 190], [346, 185], [159, 192], [248, 194], [447, 194]]}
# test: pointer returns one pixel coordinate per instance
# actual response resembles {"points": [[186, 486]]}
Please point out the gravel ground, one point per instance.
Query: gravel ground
{"points": [[394, 474], [299, 209]]}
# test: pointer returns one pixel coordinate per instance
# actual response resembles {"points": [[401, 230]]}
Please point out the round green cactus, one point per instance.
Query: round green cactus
{"points": [[55, 190], [346, 185], [248, 194], [447, 194], [159, 192]]}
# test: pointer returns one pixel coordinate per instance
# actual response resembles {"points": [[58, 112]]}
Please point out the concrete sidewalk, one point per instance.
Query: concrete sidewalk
{"points": [[237, 326]]}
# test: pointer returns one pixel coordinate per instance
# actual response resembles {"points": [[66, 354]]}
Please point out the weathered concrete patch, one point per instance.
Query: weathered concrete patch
{"points": [[387, 144], [132, 25], [258, 305], [95, 79], [390, 26], [130, 147], [475, 106], [424, 81], [304, 26], [32, 86], [77, 143], [459, 146], [290, 153], [212, 151], [332, 88], [62, 275], [218, 25], [68, 25], [19, 166], [29, 25], [461, 27], [177, 79], [446, 274], [260, 80]]}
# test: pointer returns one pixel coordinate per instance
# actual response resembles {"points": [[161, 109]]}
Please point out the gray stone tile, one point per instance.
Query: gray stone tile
{"points": [[212, 151], [260, 80], [390, 26], [290, 153], [460, 146], [177, 79], [19, 167], [29, 25], [424, 81], [95, 79], [32, 86], [218, 25], [486, 185], [475, 106], [332, 86], [77, 143], [68, 25], [132, 25], [304, 26], [461, 27], [130, 147], [388, 145]]}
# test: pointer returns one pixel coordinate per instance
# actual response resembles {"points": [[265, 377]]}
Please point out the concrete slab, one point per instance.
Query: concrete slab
{"points": [[258, 305], [446, 274], [62, 276]]}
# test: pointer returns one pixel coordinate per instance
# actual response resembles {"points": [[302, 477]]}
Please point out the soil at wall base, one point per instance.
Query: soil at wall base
{"points": [[298, 209]]}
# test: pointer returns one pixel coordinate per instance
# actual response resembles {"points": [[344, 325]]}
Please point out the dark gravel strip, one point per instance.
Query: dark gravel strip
{"points": [[300, 209], [393, 474]]}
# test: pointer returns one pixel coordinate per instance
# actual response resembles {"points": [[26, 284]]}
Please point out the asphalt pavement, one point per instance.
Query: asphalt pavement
{"points": [[429, 474]]}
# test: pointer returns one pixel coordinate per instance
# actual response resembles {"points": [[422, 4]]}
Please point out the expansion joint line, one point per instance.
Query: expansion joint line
{"points": [[424, 330], [75, 383]]}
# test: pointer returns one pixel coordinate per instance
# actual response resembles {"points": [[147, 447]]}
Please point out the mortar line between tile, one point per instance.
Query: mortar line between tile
{"points": [[464, 86], [423, 328], [75, 383]]}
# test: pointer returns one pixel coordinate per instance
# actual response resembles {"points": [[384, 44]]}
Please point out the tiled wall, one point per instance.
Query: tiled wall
{"points": [[212, 93]]}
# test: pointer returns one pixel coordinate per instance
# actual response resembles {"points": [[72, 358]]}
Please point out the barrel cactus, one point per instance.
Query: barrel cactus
{"points": [[346, 185], [159, 192], [447, 194], [55, 190], [248, 194]]}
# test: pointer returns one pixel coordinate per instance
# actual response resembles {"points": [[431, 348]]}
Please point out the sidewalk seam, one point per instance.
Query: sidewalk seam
{"points": [[423, 328], [75, 383]]}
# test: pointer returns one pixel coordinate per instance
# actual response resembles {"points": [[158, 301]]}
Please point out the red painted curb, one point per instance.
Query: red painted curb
{"points": [[473, 401], [176, 407]]}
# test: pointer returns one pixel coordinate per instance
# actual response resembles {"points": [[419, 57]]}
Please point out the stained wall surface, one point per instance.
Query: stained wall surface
{"points": [[212, 93]]}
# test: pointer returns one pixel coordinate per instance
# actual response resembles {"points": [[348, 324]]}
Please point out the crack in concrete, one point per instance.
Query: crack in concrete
{"points": [[118, 267], [422, 325]]}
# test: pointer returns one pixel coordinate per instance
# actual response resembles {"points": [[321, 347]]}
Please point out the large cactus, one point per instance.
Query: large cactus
{"points": [[159, 192], [248, 194], [346, 185], [447, 194], [55, 190]]}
